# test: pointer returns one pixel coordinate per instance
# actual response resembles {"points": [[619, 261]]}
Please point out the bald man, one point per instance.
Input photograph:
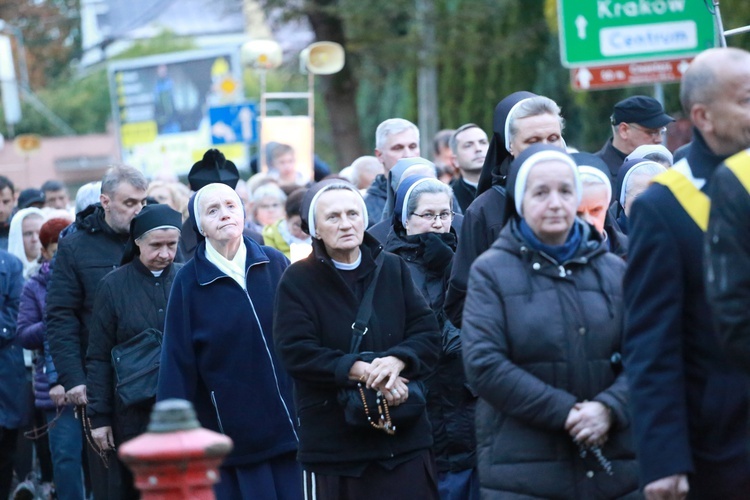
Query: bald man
{"points": [[689, 405]]}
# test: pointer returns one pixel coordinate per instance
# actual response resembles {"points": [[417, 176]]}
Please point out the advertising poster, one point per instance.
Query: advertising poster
{"points": [[161, 107]]}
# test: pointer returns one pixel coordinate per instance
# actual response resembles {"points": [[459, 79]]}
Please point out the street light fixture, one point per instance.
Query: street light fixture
{"points": [[16, 31]]}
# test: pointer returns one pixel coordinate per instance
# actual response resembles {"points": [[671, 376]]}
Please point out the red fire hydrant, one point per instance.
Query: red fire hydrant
{"points": [[176, 458]]}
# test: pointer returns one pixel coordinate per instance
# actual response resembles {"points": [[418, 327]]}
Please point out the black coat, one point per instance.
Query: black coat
{"points": [[481, 226], [538, 337], [464, 193], [450, 402], [128, 301], [689, 405], [313, 317], [728, 259], [614, 159], [83, 258]]}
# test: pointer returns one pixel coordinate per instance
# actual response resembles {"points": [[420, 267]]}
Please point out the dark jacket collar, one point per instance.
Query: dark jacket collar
{"points": [[701, 159], [91, 219], [371, 249], [141, 268], [206, 272]]}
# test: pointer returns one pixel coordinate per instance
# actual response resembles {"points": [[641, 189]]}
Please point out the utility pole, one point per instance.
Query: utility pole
{"points": [[427, 102]]}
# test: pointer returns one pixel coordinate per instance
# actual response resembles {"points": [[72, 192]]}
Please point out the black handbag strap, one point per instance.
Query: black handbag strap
{"points": [[359, 327]]}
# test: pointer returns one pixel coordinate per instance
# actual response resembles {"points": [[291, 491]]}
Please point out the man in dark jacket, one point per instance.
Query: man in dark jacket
{"points": [[83, 259], [469, 146], [689, 405], [12, 370], [636, 120], [395, 138], [7, 203], [520, 120]]}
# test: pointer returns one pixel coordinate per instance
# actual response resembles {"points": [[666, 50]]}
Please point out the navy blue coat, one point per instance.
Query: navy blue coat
{"points": [[218, 354], [12, 371], [689, 405]]}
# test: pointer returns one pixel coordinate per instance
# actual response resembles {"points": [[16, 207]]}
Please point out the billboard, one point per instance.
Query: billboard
{"points": [[160, 107]]}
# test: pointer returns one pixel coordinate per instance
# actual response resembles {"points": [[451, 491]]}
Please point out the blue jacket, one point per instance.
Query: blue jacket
{"points": [[218, 353], [12, 371]]}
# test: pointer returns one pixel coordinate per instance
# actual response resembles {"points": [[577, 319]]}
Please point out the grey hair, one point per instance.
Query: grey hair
{"points": [[658, 158], [453, 142], [269, 189], [392, 126], [533, 106], [427, 187], [88, 194], [122, 173]]}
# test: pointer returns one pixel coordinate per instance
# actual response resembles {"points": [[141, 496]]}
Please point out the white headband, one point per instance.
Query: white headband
{"points": [[586, 169], [207, 189], [314, 201], [404, 214], [632, 171], [546, 155]]}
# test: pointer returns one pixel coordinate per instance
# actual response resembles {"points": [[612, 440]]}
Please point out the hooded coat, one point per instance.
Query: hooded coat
{"points": [[486, 215]]}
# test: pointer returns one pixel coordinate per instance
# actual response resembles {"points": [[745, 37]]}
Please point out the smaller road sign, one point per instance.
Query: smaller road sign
{"points": [[628, 75], [233, 123]]}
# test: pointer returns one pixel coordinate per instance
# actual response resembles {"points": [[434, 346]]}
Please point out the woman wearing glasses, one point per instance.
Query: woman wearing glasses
{"points": [[423, 237]]}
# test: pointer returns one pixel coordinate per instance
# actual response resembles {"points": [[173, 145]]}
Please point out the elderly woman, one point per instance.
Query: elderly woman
{"points": [[218, 351], [129, 301], [541, 338], [318, 301], [423, 236], [596, 193], [633, 178], [23, 239]]}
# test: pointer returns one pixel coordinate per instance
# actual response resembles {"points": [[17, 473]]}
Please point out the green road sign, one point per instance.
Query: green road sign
{"points": [[603, 32]]}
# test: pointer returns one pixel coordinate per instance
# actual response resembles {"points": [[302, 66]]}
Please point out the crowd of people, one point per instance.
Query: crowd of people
{"points": [[511, 319]]}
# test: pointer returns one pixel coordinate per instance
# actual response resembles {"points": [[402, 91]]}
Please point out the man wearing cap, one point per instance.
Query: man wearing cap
{"points": [[31, 197], [214, 167], [129, 300], [83, 258], [689, 404], [636, 120]]}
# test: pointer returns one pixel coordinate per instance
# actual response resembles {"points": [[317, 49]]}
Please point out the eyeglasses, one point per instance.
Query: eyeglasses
{"points": [[443, 216], [270, 206], [653, 132]]}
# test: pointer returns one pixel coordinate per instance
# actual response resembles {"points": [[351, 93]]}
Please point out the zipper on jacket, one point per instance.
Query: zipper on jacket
{"points": [[270, 358], [216, 407]]}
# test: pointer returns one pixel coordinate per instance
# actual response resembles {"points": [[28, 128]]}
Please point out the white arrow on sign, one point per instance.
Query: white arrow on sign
{"points": [[581, 24], [683, 66], [584, 78]]}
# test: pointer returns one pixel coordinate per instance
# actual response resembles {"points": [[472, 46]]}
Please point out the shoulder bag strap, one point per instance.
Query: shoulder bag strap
{"points": [[359, 327]]}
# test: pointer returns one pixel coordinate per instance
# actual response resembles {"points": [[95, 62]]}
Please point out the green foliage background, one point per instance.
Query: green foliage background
{"points": [[486, 49]]}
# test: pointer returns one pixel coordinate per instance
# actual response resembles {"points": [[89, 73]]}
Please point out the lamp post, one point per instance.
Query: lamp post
{"points": [[16, 32]]}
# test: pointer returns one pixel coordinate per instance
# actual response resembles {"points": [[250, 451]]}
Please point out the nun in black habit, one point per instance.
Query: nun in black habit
{"points": [[129, 300]]}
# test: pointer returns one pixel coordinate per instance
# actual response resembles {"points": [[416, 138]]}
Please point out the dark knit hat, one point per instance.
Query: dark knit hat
{"points": [[214, 167]]}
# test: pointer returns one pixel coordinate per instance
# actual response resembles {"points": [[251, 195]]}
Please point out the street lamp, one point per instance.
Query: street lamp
{"points": [[16, 31]]}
